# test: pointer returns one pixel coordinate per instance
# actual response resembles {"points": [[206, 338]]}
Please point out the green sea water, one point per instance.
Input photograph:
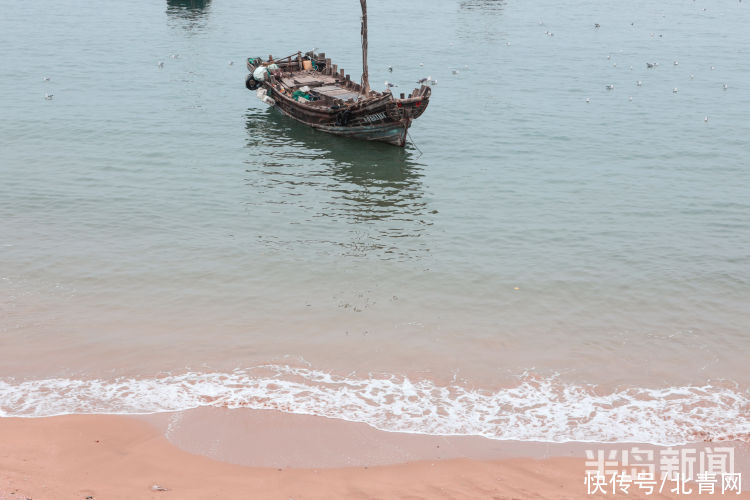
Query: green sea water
{"points": [[163, 220]]}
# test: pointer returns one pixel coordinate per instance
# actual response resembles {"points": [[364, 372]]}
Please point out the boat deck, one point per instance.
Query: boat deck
{"points": [[319, 83]]}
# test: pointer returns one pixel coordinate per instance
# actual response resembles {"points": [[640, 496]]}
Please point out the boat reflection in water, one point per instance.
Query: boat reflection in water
{"points": [[364, 197], [190, 13], [484, 6], [479, 20]]}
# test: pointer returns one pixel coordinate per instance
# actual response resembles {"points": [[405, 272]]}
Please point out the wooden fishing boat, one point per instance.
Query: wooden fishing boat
{"points": [[314, 91]]}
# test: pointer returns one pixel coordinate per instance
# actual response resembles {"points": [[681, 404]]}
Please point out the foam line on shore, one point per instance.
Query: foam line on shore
{"points": [[535, 409]]}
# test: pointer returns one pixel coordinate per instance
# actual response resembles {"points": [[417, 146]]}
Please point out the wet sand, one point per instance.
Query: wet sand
{"points": [[117, 457]]}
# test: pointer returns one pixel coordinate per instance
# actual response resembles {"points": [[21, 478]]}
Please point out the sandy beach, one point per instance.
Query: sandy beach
{"points": [[117, 457]]}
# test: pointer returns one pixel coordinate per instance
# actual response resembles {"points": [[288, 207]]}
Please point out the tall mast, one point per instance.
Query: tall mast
{"points": [[365, 76]]}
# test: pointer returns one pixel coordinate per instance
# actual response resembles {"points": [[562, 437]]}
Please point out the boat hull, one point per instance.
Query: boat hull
{"points": [[393, 132]]}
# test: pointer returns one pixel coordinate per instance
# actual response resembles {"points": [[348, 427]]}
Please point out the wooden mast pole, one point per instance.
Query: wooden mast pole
{"points": [[365, 76]]}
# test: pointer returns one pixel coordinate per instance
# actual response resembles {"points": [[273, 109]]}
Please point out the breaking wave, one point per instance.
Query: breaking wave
{"points": [[534, 409]]}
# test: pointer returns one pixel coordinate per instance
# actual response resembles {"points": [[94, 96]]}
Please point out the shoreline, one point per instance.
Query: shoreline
{"points": [[114, 456]]}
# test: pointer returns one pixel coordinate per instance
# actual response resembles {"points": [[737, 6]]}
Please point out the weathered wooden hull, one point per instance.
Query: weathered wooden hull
{"points": [[392, 133], [370, 116], [388, 130]]}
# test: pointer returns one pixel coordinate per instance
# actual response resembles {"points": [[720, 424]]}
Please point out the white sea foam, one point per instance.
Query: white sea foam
{"points": [[532, 410]]}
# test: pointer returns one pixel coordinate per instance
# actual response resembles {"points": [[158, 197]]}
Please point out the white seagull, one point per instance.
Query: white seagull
{"points": [[49, 96]]}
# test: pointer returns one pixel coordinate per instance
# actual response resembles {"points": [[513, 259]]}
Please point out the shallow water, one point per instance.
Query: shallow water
{"points": [[572, 254]]}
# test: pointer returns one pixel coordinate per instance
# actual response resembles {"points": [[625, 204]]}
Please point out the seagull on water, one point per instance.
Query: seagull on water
{"points": [[610, 87], [597, 25], [389, 84], [175, 56], [676, 63], [49, 96], [639, 83], [691, 76], [674, 90], [650, 65], [705, 119], [421, 64], [390, 69], [161, 64], [231, 62], [45, 78], [455, 71], [726, 86], [588, 99]]}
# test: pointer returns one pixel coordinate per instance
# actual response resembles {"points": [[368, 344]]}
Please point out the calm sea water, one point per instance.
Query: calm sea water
{"points": [[552, 260]]}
